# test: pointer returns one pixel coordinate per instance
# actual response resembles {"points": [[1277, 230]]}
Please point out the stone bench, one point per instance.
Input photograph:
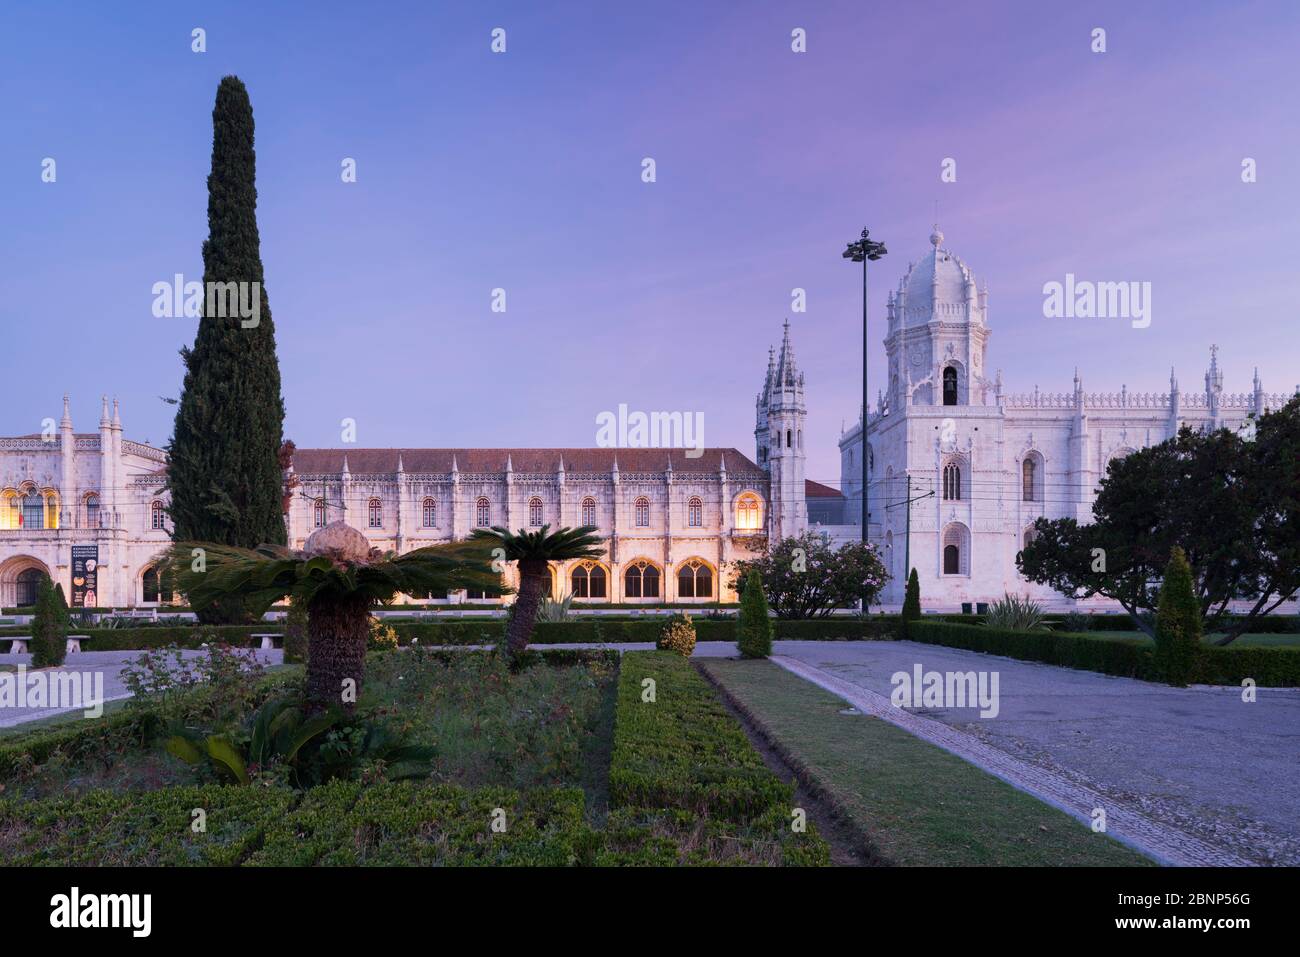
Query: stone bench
{"points": [[268, 639], [18, 646]]}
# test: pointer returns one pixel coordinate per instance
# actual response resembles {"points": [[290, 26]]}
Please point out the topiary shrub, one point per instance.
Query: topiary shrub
{"points": [[295, 633], [1178, 623], [912, 600], [49, 626], [678, 635], [754, 628]]}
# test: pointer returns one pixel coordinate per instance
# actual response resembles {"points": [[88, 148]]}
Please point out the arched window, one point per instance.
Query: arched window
{"points": [[429, 513], [949, 386], [588, 511], [376, 511], [889, 551], [952, 482], [319, 519], [482, 513], [157, 586], [27, 582], [643, 512], [1031, 534], [641, 580], [589, 581], [789, 439], [51, 510], [749, 512], [694, 580], [92, 510], [33, 510], [956, 550], [695, 513], [534, 511], [157, 519], [1028, 468]]}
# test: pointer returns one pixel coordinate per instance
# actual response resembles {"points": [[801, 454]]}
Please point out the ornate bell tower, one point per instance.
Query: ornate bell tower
{"points": [[780, 441]]}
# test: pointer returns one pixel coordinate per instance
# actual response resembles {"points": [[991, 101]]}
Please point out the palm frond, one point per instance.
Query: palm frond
{"points": [[564, 544]]}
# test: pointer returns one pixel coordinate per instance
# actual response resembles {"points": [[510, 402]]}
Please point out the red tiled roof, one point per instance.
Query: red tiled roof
{"points": [[380, 461], [813, 489]]}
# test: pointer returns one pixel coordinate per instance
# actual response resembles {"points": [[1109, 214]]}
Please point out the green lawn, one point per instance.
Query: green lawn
{"points": [[912, 803], [1245, 641]]}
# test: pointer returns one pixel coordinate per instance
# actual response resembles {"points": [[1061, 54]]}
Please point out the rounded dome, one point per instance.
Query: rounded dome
{"points": [[339, 541], [937, 287]]}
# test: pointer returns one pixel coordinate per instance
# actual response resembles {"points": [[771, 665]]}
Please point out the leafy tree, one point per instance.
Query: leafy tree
{"points": [[1230, 502], [912, 600], [754, 628], [223, 473], [339, 577], [49, 625], [1178, 623], [805, 577], [534, 552]]}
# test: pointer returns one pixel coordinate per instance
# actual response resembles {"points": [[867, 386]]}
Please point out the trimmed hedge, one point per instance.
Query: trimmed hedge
{"points": [[1269, 667], [682, 758]]}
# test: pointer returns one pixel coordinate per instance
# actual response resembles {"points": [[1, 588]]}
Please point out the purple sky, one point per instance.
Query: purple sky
{"points": [[522, 171]]}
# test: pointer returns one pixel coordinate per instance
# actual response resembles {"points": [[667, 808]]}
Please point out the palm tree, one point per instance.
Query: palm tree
{"points": [[534, 551], [338, 577]]}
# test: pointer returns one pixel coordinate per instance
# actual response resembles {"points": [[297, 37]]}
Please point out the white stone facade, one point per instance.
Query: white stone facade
{"points": [[991, 462], [674, 522]]}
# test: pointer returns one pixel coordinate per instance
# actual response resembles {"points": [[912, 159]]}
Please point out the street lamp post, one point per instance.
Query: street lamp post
{"points": [[864, 250]]}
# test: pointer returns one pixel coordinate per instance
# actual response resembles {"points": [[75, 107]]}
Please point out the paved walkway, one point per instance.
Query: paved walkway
{"points": [[1194, 773], [109, 663]]}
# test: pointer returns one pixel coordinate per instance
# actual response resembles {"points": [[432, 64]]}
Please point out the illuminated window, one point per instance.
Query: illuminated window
{"points": [[588, 511], [482, 513], [534, 511], [376, 510], [695, 513], [749, 512], [694, 580], [429, 518], [643, 512], [157, 517], [641, 580]]}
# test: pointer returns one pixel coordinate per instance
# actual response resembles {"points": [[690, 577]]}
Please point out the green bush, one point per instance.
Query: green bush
{"points": [[1178, 623], [912, 600], [678, 636], [754, 629], [49, 625], [1014, 613], [1127, 658]]}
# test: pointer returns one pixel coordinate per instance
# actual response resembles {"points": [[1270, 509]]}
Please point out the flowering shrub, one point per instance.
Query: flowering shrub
{"points": [[678, 635], [382, 637]]}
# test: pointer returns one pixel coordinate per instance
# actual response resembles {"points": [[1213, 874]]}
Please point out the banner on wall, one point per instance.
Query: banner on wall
{"points": [[85, 571]]}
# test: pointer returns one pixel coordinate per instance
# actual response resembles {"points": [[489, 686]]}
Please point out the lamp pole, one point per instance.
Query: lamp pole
{"points": [[864, 250]]}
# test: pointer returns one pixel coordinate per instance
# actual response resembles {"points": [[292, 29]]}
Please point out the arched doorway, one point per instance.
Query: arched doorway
{"points": [[19, 578]]}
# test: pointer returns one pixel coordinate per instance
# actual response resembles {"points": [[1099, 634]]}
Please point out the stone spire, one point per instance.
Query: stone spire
{"points": [[66, 424], [117, 418], [787, 372], [104, 421]]}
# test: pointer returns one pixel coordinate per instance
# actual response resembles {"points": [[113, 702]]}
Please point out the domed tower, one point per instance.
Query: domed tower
{"points": [[779, 434], [938, 332]]}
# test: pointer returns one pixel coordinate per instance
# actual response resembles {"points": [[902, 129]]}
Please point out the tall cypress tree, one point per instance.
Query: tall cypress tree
{"points": [[224, 474]]}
